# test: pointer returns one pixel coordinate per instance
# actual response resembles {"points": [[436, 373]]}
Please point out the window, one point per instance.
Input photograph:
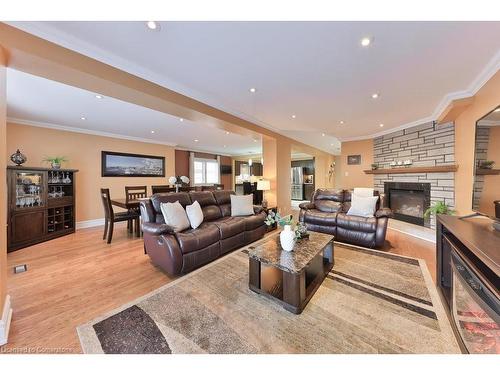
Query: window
{"points": [[206, 171]]}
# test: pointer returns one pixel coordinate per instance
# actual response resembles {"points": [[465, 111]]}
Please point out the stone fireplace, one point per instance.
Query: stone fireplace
{"points": [[409, 201]]}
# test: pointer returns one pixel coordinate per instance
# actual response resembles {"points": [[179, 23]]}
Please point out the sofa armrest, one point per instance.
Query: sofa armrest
{"points": [[383, 212], [257, 209], [157, 229], [307, 206]]}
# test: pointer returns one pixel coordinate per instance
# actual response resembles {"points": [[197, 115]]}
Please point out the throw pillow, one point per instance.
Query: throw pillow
{"points": [[175, 216], [362, 206], [194, 214], [242, 205], [363, 192]]}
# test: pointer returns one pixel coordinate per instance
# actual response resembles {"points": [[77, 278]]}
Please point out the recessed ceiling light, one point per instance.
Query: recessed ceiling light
{"points": [[375, 95], [181, 119], [227, 132], [341, 122], [323, 134], [98, 96], [497, 110], [196, 140], [381, 125], [253, 89], [225, 146], [152, 25], [293, 116], [152, 131], [365, 42], [255, 140], [83, 118], [331, 144]]}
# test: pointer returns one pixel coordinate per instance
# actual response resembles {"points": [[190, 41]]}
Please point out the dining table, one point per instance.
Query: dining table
{"points": [[129, 205]]}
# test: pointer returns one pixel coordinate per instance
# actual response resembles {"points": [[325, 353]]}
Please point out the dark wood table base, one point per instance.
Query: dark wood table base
{"points": [[291, 290]]}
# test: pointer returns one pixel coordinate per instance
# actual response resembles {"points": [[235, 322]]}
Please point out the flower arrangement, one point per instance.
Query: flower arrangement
{"points": [[275, 217]]}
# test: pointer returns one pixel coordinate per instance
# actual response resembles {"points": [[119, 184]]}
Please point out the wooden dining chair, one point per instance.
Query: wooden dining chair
{"points": [[110, 217], [133, 193], [157, 189]]}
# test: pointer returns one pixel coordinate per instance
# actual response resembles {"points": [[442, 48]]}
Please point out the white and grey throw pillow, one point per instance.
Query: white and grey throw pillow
{"points": [[242, 205], [175, 216], [362, 206], [194, 214]]}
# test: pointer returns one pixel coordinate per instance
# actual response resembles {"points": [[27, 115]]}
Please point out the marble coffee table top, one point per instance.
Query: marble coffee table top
{"points": [[270, 252]]}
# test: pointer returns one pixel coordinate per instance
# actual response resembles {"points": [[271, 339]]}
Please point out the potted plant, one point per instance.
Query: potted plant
{"points": [[439, 208], [486, 164], [374, 166], [55, 161], [288, 237]]}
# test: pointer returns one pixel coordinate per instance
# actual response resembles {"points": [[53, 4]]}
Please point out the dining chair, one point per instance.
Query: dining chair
{"points": [[133, 193], [156, 189], [110, 217]]}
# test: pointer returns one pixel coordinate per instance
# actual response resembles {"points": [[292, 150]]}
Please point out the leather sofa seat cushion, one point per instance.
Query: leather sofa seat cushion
{"points": [[230, 226], [194, 239], [254, 221], [318, 217], [336, 195], [157, 199], [357, 223], [328, 206]]}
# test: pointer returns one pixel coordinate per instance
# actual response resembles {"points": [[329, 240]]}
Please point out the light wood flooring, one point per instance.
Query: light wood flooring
{"points": [[76, 278]]}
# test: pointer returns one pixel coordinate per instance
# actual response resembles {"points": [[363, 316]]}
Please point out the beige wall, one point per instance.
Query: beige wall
{"points": [[3, 183], [352, 176], [486, 99], [491, 189], [84, 154]]}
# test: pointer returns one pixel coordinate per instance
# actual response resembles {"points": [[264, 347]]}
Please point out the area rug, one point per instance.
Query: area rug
{"points": [[371, 302]]}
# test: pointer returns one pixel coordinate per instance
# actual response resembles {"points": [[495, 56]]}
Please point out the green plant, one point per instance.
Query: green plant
{"points": [[300, 229], [55, 159], [374, 166], [486, 164], [439, 208]]}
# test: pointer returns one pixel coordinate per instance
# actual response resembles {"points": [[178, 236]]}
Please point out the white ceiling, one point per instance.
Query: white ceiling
{"points": [[38, 101], [317, 71]]}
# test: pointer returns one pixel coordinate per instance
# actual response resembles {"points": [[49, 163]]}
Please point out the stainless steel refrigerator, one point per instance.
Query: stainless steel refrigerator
{"points": [[297, 181]]}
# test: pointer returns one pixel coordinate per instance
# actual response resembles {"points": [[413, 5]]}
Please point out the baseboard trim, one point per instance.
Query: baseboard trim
{"points": [[5, 322], [89, 223], [414, 235]]}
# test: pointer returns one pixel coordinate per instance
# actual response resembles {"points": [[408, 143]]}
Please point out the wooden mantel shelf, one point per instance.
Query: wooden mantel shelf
{"points": [[400, 170], [487, 171]]}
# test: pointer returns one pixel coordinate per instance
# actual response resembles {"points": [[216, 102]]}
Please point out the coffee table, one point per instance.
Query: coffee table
{"points": [[290, 278]]}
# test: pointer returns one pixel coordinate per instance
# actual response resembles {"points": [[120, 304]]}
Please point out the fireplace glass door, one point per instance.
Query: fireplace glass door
{"points": [[408, 205], [476, 310]]}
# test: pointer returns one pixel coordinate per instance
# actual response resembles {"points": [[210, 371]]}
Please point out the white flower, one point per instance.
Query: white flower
{"points": [[172, 180], [185, 179]]}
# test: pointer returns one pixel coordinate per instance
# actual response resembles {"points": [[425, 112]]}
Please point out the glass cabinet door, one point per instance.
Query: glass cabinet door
{"points": [[29, 190]]}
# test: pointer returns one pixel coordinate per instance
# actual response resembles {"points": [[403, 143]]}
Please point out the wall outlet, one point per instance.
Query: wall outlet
{"points": [[346, 174]]}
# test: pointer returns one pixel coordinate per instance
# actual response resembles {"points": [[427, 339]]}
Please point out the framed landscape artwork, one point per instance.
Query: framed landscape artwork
{"points": [[118, 164], [354, 159]]}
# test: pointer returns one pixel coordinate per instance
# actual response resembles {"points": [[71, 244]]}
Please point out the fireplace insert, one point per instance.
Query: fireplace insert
{"points": [[408, 201]]}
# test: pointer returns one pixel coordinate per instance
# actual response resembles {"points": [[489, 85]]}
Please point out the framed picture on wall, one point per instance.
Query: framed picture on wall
{"points": [[119, 164], [354, 159]]}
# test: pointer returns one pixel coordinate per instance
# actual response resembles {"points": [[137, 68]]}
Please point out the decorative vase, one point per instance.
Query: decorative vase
{"points": [[18, 158], [56, 165], [287, 238]]}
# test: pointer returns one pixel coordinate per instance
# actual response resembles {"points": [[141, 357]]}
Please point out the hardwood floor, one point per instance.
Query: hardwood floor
{"points": [[76, 278]]}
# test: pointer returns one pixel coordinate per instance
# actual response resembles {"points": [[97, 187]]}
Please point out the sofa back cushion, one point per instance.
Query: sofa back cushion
{"points": [[206, 199], [223, 198], [328, 206], [158, 199], [334, 195]]}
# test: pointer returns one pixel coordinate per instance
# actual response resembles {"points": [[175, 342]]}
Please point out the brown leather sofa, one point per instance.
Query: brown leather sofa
{"points": [[181, 252], [327, 213]]}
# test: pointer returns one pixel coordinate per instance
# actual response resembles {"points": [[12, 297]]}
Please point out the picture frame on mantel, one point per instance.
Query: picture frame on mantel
{"points": [[120, 164], [353, 159]]}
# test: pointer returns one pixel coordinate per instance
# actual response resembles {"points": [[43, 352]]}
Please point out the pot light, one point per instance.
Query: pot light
{"points": [[375, 96], [225, 146], [98, 96], [227, 133], [181, 119], [253, 89], [196, 140], [365, 42], [497, 110], [255, 140], [83, 118], [331, 144], [381, 125], [152, 25], [293, 116], [341, 122], [323, 134], [152, 131]]}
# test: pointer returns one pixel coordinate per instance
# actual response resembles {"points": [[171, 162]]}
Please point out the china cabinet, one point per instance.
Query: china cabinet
{"points": [[41, 205]]}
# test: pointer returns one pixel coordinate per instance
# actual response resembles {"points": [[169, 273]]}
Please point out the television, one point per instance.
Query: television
{"points": [[486, 191], [226, 169]]}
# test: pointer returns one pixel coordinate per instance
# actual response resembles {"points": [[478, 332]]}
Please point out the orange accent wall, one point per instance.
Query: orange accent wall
{"points": [[84, 153], [182, 163], [352, 176], [3, 183], [491, 189], [485, 100]]}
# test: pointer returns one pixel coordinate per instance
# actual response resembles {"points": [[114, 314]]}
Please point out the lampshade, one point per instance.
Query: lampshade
{"points": [[263, 185]]}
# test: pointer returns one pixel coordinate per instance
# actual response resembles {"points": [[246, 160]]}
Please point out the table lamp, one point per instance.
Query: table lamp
{"points": [[263, 185]]}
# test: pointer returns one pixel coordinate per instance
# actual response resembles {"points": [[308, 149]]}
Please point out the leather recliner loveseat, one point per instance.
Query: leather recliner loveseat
{"points": [[181, 252], [327, 213]]}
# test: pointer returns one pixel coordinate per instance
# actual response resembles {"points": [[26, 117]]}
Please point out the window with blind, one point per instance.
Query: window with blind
{"points": [[206, 171]]}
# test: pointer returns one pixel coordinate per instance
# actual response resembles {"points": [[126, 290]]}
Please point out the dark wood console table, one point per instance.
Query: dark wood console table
{"points": [[468, 277]]}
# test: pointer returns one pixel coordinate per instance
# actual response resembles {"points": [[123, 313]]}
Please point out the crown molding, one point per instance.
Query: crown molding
{"points": [[202, 151], [70, 129]]}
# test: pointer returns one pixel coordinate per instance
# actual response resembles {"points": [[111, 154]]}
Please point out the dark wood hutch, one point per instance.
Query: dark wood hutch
{"points": [[41, 205]]}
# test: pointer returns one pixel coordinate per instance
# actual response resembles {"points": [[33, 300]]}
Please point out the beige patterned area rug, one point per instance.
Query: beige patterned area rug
{"points": [[371, 302]]}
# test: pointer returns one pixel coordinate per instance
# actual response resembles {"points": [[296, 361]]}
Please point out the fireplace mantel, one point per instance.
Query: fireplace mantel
{"points": [[400, 170]]}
